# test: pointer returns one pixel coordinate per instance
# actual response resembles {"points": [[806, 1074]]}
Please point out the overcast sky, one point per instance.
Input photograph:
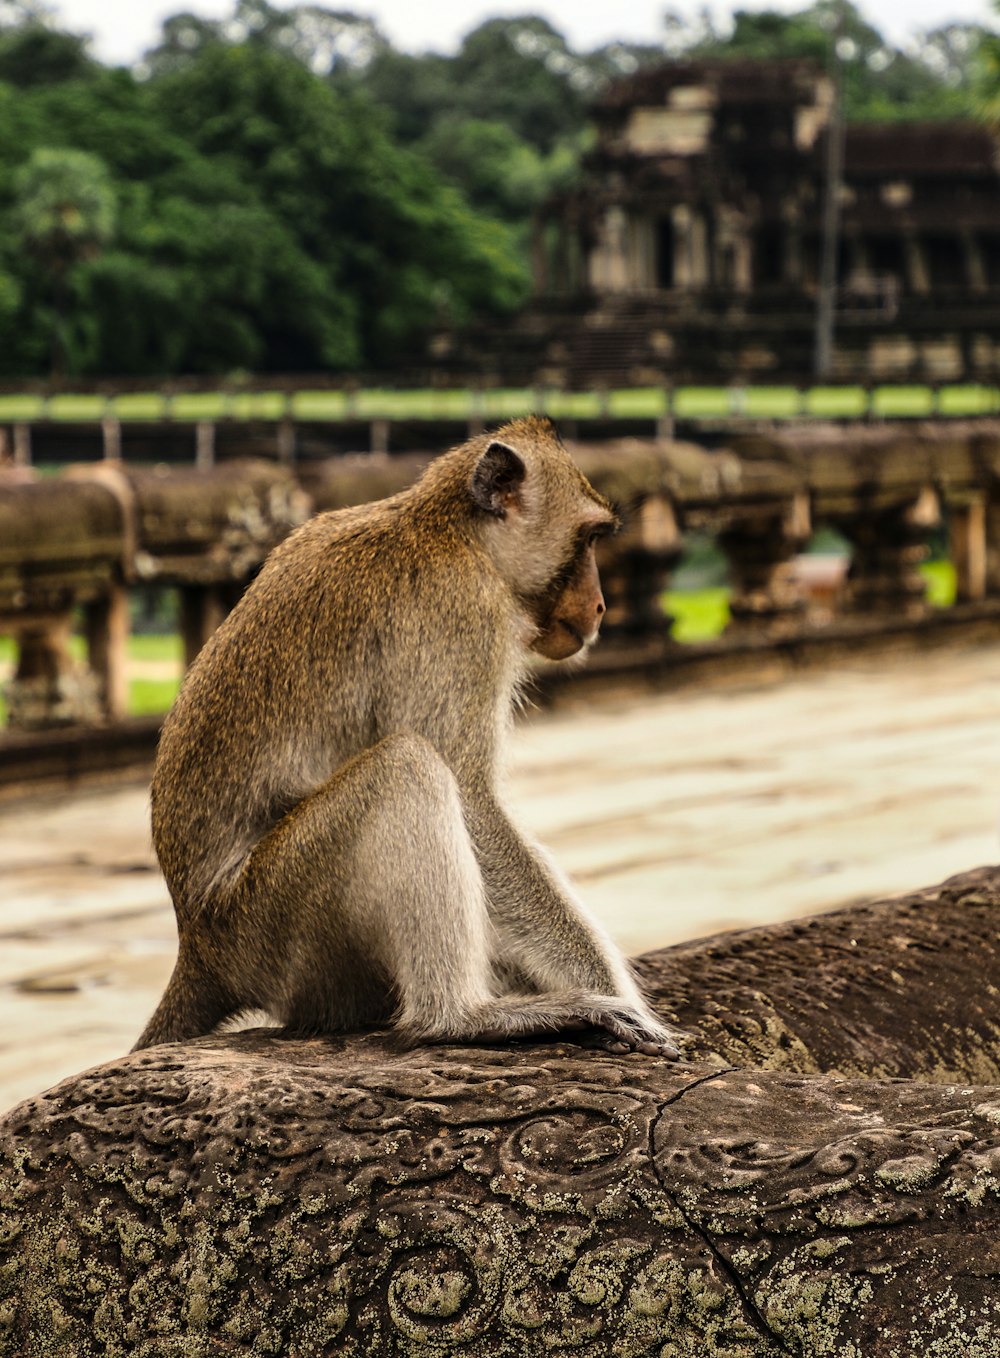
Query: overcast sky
{"points": [[124, 29]]}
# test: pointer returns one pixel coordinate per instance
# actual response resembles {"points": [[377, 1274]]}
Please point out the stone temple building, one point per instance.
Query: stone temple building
{"points": [[691, 248]]}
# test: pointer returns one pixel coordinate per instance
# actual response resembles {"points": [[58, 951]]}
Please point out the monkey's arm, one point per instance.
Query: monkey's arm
{"points": [[549, 932]]}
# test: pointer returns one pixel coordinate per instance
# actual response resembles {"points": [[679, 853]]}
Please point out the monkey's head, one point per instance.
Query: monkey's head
{"points": [[540, 519]]}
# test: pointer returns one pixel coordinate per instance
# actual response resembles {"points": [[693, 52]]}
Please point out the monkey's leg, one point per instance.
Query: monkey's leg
{"points": [[193, 1003], [368, 897]]}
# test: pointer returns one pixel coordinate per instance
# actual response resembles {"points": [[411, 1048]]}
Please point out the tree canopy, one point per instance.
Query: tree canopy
{"points": [[282, 189]]}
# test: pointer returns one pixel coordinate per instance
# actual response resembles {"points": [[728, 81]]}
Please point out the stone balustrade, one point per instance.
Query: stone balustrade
{"points": [[83, 539]]}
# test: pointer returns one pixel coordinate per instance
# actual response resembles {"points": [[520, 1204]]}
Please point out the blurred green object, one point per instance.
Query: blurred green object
{"points": [[940, 577], [147, 697], [699, 614], [702, 614]]}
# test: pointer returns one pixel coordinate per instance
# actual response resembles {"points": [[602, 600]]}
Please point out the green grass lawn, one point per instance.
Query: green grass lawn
{"points": [[151, 697], [689, 402]]}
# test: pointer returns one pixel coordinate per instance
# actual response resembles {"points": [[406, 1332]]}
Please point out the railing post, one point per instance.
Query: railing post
{"points": [[204, 447], [761, 544], [22, 445], [889, 542], [111, 438], [107, 627], [202, 609], [967, 539], [378, 443]]}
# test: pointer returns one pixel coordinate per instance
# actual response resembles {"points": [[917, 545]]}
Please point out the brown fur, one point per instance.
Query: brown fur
{"points": [[324, 804]]}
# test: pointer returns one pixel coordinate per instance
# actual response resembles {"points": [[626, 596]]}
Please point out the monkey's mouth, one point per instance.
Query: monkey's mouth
{"points": [[581, 640], [560, 639], [574, 632]]}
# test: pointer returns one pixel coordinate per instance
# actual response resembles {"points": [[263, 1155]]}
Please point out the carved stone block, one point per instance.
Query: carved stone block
{"points": [[785, 1192]]}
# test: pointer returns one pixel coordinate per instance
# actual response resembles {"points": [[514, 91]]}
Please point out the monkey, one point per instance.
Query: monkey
{"points": [[324, 798]]}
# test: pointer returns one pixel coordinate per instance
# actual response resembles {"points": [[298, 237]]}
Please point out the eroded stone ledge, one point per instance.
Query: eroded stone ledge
{"points": [[782, 1193]]}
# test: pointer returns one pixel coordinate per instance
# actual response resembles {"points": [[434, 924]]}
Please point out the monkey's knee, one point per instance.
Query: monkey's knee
{"points": [[411, 756], [411, 768]]}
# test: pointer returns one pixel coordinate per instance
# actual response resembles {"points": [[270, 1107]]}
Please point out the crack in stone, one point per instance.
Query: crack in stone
{"points": [[728, 1270]]}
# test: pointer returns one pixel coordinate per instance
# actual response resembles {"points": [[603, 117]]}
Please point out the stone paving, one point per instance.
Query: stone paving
{"points": [[677, 814]]}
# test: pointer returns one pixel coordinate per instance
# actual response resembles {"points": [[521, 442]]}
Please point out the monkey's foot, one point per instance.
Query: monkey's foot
{"points": [[626, 1030], [666, 1050]]}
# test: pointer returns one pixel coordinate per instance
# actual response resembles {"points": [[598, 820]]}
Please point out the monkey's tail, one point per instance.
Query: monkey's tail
{"points": [[191, 1007]]}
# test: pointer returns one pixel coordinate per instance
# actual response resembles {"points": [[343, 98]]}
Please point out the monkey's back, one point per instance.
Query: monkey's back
{"points": [[328, 651]]}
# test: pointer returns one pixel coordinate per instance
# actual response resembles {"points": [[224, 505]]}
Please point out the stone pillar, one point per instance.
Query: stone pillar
{"points": [[111, 437], [683, 261], [636, 566], [917, 273], [742, 262], [204, 447], [975, 267], [202, 608], [889, 543], [608, 260], [49, 687], [22, 445], [761, 543], [644, 254], [967, 541], [733, 252], [993, 543], [106, 622], [698, 266]]}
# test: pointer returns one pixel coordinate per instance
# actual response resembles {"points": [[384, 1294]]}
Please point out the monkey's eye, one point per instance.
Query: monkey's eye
{"points": [[598, 531]]}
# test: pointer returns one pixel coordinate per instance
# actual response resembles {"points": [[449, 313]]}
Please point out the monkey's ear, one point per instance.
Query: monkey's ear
{"points": [[497, 480]]}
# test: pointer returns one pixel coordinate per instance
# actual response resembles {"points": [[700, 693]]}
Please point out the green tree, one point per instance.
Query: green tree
{"points": [[987, 75], [518, 72], [504, 120], [33, 55], [321, 39], [266, 217], [499, 172], [64, 212], [521, 72], [394, 247], [879, 81]]}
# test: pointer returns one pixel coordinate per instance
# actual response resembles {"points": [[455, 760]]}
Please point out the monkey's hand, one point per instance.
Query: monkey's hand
{"points": [[629, 1028]]}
